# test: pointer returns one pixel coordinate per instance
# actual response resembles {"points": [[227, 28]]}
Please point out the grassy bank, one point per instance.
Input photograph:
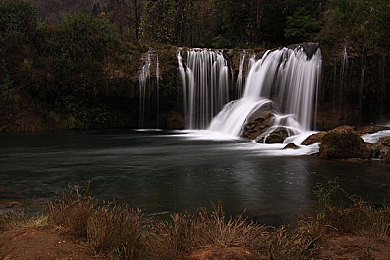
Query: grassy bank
{"points": [[118, 232]]}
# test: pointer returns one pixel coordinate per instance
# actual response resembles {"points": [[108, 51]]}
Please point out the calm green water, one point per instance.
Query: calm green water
{"points": [[170, 172]]}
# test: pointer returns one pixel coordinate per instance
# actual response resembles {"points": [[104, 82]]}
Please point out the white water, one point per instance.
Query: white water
{"points": [[240, 77], [149, 92], [287, 78], [374, 138], [236, 143], [144, 81], [205, 83]]}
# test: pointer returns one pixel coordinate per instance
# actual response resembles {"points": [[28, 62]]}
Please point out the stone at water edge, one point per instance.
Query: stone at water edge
{"points": [[277, 136], [258, 122], [343, 143], [291, 146], [314, 138], [372, 129], [381, 150]]}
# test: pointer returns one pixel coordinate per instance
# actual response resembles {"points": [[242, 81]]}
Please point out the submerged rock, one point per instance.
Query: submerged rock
{"points": [[343, 143], [277, 136], [291, 146], [258, 122]]}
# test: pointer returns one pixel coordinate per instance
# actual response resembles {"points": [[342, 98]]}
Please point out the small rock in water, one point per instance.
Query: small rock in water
{"points": [[277, 136], [291, 146], [314, 138]]}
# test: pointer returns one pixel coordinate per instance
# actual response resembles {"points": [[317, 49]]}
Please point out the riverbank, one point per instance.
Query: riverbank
{"points": [[76, 225]]}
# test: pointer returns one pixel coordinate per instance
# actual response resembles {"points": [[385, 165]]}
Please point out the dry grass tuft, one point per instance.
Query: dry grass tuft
{"points": [[186, 233], [20, 218], [115, 231], [72, 210]]}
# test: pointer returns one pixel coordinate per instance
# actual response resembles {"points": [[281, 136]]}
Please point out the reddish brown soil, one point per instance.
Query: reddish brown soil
{"points": [[354, 247], [54, 243], [229, 253], [41, 243]]}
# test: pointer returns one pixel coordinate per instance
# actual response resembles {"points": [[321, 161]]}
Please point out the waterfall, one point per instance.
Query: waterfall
{"points": [[343, 71], [240, 77], [205, 82], [149, 92], [287, 78]]}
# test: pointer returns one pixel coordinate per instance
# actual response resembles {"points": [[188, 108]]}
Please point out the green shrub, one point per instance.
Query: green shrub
{"points": [[220, 42]]}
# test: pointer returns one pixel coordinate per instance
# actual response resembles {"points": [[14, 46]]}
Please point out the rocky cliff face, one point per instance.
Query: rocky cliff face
{"points": [[355, 88]]}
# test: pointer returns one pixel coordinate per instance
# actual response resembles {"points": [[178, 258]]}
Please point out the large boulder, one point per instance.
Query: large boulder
{"points": [[276, 136], [343, 142], [258, 122]]}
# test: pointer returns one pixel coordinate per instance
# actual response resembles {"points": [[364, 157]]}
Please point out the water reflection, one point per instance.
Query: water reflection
{"points": [[162, 171]]}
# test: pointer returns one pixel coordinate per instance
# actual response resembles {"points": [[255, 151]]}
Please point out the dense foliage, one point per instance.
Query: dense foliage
{"points": [[76, 58], [360, 22]]}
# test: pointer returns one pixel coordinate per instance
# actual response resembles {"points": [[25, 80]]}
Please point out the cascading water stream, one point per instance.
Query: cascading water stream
{"points": [[343, 72], [289, 79], [149, 92], [240, 77], [205, 82]]}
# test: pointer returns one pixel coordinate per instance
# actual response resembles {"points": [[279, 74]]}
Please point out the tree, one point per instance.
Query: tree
{"points": [[363, 23], [126, 15], [73, 57], [301, 26], [83, 36], [18, 22]]}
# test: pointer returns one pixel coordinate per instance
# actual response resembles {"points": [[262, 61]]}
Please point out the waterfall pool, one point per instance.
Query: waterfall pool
{"points": [[165, 172]]}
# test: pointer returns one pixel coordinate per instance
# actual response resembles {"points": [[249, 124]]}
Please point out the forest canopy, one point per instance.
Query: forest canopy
{"points": [[70, 54]]}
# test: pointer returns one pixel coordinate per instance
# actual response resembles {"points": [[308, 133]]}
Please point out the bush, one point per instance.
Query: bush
{"points": [[220, 42], [83, 36]]}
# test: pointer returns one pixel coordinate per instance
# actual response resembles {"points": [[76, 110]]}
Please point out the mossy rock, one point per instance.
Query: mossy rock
{"points": [[342, 145]]}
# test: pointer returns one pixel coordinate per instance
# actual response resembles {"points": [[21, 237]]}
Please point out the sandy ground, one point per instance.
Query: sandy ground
{"points": [[42, 243]]}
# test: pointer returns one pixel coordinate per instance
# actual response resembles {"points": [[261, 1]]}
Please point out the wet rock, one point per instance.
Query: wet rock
{"points": [[175, 121], [308, 47], [291, 146], [343, 143], [314, 138], [372, 129], [344, 129], [258, 122], [381, 150], [277, 136]]}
